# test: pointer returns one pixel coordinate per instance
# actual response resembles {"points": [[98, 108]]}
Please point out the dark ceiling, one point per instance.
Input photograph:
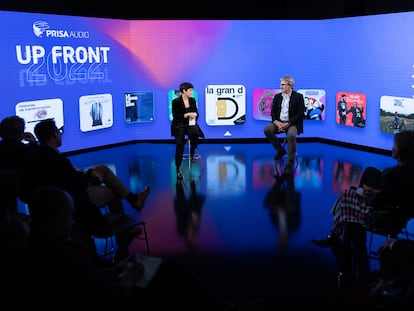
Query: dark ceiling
{"points": [[258, 9]]}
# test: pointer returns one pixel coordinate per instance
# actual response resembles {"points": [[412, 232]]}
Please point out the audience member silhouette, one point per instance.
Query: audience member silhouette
{"points": [[16, 148], [91, 190], [348, 236], [14, 226], [14, 239], [392, 286], [69, 271], [396, 257], [352, 204], [389, 190]]}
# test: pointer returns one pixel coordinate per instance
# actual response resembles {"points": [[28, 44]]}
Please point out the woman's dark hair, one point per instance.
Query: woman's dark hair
{"points": [[185, 86], [404, 141]]}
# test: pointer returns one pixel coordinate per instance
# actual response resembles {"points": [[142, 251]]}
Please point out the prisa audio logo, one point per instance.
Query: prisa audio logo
{"points": [[39, 28], [42, 29]]}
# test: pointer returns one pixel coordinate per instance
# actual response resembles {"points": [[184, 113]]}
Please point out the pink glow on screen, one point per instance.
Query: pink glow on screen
{"points": [[167, 48]]}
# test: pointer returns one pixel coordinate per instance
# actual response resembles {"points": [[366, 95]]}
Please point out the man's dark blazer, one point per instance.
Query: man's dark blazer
{"points": [[296, 109]]}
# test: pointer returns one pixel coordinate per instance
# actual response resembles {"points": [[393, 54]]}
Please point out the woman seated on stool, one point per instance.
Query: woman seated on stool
{"points": [[185, 116]]}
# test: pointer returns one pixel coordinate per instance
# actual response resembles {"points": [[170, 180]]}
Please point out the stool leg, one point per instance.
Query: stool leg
{"points": [[144, 236], [112, 249], [146, 239], [109, 249], [189, 156]]}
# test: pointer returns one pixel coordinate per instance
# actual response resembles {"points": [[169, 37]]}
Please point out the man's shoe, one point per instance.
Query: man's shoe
{"points": [[141, 197], [280, 154], [330, 241]]}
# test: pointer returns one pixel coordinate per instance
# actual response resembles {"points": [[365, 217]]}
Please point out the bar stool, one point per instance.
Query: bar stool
{"points": [[119, 224], [187, 156]]}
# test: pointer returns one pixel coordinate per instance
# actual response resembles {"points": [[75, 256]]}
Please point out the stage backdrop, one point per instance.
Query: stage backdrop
{"points": [[111, 81]]}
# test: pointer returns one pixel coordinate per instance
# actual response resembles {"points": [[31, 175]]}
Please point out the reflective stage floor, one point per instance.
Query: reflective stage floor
{"points": [[241, 233]]}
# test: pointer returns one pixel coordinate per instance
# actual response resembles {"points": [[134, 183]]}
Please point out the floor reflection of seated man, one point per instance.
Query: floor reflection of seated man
{"points": [[283, 203], [188, 212]]}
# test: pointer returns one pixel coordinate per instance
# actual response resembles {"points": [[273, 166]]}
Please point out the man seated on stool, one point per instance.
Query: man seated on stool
{"points": [[287, 113]]}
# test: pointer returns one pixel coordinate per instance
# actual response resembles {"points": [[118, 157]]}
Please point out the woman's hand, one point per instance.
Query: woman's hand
{"points": [[190, 115]]}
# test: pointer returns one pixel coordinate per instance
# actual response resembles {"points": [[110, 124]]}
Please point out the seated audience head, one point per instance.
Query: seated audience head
{"points": [[12, 128], [403, 148], [371, 180], [47, 133], [51, 210]]}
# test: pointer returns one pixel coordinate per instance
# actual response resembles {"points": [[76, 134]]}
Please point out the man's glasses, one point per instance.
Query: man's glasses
{"points": [[61, 130]]}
